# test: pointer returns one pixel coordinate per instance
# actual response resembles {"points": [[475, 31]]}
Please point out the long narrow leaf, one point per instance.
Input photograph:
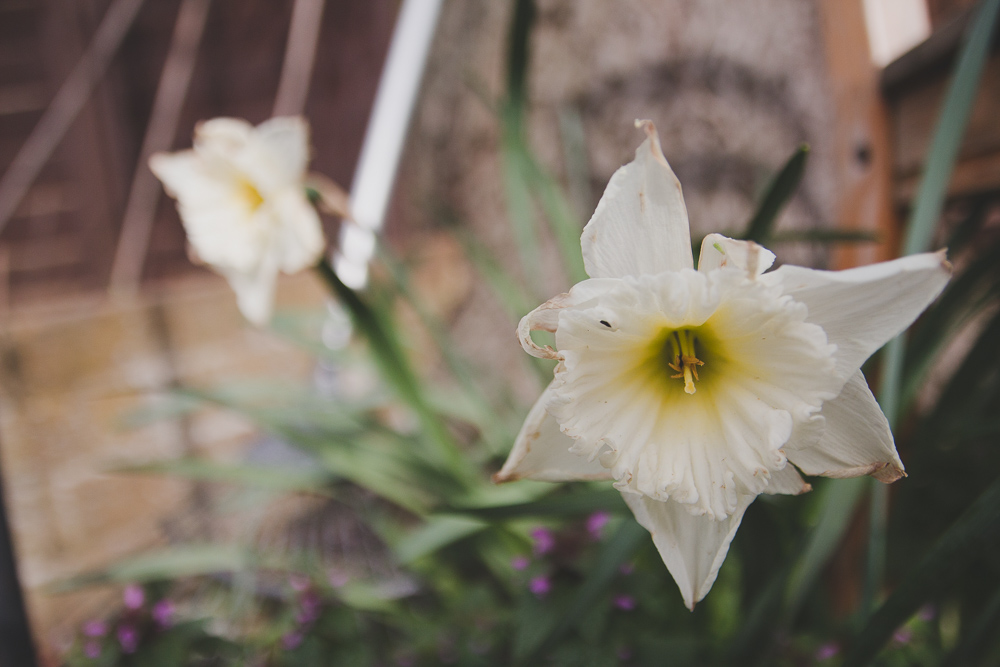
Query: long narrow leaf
{"points": [[976, 532], [621, 547], [926, 210], [778, 193]]}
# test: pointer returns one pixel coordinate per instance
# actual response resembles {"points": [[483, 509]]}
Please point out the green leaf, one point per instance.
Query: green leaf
{"points": [[975, 533], [980, 636], [170, 563], [567, 505], [926, 210], [437, 533], [396, 370], [838, 500], [273, 478], [618, 549], [778, 193]]}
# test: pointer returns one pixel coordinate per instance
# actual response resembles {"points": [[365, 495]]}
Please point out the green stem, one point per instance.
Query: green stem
{"points": [[396, 370]]}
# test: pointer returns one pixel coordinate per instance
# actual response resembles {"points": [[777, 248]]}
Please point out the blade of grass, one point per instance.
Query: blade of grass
{"points": [[486, 416], [779, 192], [620, 548], [976, 532], [837, 503], [573, 504], [931, 193], [273, 478], [978, 638], [396, 370]]}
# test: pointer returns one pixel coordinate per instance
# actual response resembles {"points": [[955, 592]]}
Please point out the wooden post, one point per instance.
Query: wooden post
{"points": [[861, 134]]}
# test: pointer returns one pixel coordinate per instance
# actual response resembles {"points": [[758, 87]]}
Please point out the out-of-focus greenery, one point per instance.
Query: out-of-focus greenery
{"points": [[455, 570]]}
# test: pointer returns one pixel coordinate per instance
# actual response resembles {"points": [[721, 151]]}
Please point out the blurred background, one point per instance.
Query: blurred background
{"points": [[101, 310]]}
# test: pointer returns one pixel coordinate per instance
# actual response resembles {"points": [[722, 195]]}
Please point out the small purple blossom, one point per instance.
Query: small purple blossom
{"points": [[902, 635], [292, 640], [827, 651], [163, 613], [927, 613], [128, 637], [299, 582], [338, 578], [545, 541], [625, 602], [626, 568], [134, 597], [92, 649], [309, 607], [540, 585], [95, 628], [520, 563], [596, 523]]}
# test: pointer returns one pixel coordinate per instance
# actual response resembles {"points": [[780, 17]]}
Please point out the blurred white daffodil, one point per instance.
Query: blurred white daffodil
{"points": [[693, 389], [241, 196]]}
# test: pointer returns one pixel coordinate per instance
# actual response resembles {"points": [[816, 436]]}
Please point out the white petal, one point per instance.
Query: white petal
{"points": [[764, 371], [856, 440], [541, 452], [546, 316], [276, 154], [298, 239], [640, 225], [787, 481], [255, 291], [861, 309], [718, 251], [220, 140], [223, 229], [692, 547], [183, 175]]}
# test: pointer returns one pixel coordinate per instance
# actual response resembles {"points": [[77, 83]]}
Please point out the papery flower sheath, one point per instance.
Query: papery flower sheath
{"points": [[694, 389], [241, 197]]}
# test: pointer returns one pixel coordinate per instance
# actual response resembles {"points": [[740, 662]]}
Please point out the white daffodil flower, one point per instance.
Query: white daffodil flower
{"points": [[241, 198], [694, 389]]}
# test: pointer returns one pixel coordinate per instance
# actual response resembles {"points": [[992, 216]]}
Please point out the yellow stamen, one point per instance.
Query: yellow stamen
{"points": [[249, 194], [685, 362]]}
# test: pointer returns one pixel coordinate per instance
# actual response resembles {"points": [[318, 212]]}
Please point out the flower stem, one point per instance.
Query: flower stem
{"points": [[397, 372]]}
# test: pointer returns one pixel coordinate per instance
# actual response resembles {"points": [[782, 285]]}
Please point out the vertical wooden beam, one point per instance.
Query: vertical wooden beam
{"points": [[300, 53], [861, 134], [144, 194]]}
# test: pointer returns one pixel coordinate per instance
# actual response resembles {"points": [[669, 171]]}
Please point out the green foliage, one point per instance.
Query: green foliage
{"points": [[463, 572]]}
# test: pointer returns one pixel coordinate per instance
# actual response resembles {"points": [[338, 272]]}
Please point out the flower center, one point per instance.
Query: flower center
{"points": [[249, 194], [680, 349]]}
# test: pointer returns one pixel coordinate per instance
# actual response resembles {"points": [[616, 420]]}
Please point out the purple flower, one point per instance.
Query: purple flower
{"points": [[544, 540], [627, 569], [519, 563], [92, 649], [540, 585], [128, 637], [291, 640], [902, 636], [927, 613], [163, 613], [596, 523], [299, 582], [827, 651], [95, 628], [309, 606], [338, 578], [625, 602], [134, 596]]}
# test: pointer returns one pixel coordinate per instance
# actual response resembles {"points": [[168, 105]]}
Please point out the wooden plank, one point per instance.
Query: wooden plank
{"points": [[863, 152]]}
